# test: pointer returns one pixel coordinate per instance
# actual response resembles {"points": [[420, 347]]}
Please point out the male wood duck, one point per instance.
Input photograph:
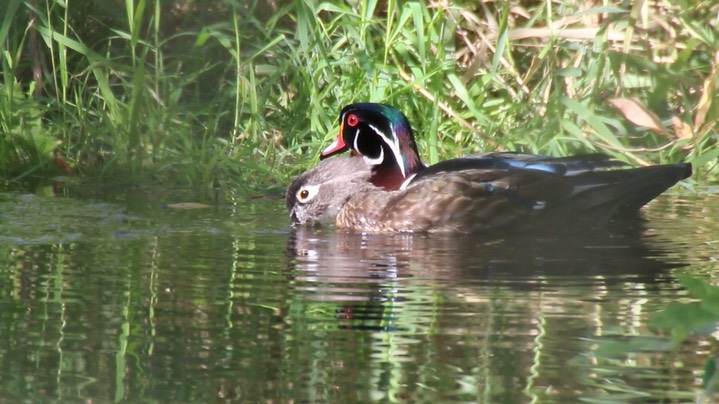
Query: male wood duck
{"points": [[470, 199], [382, 135]]}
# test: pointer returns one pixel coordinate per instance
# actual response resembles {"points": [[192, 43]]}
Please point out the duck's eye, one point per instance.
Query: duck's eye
{"points": [[306, 193], [352, 120]]}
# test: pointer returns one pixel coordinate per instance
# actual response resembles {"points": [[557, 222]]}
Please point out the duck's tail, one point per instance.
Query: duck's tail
{"points": [[617, 194]]}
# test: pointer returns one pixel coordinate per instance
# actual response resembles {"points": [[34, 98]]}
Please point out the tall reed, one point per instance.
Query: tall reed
{"points": [[252, 89]]}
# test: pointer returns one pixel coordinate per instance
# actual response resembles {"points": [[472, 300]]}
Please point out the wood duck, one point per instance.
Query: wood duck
{"points": [[470, 200], [382, 135]]}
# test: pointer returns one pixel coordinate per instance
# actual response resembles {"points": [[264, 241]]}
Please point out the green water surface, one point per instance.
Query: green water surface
{"points": [[116, 297]]}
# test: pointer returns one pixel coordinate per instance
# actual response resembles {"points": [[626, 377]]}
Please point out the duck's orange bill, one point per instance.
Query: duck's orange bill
{"points": [[338, 146]]}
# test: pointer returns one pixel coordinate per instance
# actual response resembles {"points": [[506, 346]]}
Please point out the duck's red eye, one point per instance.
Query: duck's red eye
{"points": [[352, 120]]}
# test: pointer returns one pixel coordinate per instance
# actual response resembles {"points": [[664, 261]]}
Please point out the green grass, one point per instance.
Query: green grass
{"points": [[248, 93]]}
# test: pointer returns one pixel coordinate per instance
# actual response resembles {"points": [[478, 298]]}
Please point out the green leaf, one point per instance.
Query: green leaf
{"points": [[705, 157], [711, 377], [683, 320], [594, 121], [416, 9], [699, 288], [623, 346], [9, 11], [463, 95]]}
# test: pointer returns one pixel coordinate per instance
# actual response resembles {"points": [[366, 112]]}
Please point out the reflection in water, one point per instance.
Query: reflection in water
{"points": [[325, 254], [346, 256], [501, 318], [225, 304]]}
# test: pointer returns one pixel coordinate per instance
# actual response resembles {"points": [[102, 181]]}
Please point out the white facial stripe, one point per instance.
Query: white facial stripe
{"points": [[312, 191], [393, 145], [407, 181], [355, 141], [374, 162]]}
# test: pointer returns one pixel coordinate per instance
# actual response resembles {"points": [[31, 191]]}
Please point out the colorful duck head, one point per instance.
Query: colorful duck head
{"points": [[382, 135]]}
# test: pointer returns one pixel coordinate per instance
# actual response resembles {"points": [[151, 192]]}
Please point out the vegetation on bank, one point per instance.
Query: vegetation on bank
{"points": [[237, 92]]}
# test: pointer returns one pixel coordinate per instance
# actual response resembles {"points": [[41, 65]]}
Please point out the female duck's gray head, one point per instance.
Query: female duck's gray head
{"points": [[319, 193]]}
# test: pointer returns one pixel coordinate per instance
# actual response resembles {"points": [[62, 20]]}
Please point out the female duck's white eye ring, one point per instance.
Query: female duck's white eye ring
{"points": [[306, 193]]}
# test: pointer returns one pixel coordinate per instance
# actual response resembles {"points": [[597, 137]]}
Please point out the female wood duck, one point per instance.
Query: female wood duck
{"points": [[382, 135], [474, 199]]}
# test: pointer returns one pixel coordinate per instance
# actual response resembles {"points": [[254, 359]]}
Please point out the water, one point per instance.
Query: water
{"points": [[120, 298]]}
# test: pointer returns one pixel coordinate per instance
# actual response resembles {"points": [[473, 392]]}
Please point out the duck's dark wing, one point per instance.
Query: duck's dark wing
{"points": [[488, 199], [572, 165]]}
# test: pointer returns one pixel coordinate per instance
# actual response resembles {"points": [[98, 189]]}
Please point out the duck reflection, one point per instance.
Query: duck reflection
{"points": [[325, 254], [370, 272]]}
